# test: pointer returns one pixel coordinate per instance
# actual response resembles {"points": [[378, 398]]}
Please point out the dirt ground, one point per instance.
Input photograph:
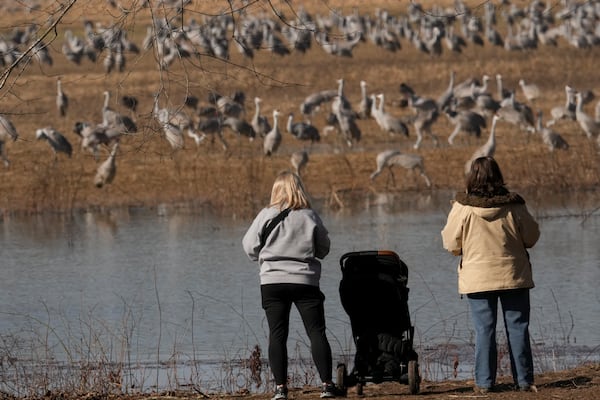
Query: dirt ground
{"points": [[236, 182], [582, 383]]}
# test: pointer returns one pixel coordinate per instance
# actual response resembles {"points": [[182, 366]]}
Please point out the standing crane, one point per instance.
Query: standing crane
{"points": [[106, 171], [272, 139], [7, 131], [62, 101], [487, 149]]}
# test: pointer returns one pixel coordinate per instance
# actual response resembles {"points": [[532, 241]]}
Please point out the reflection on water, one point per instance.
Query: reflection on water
{"points": [[133, 286]]}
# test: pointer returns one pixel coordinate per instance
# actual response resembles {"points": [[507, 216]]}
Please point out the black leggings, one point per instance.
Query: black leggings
{"points": [[277, 302]]}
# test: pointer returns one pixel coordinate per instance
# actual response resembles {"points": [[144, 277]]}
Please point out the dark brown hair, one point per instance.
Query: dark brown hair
{"points": [[485, 178]]}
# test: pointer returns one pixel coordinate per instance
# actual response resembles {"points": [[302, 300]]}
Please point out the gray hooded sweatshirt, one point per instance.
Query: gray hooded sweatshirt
{"points": [[292, 250]]}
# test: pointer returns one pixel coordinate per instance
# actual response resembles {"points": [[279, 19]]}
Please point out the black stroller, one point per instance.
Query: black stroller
{"points": [[374, 294]]}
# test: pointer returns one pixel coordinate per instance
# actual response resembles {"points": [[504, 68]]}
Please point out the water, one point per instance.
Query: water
{"points": [[156, 290]]}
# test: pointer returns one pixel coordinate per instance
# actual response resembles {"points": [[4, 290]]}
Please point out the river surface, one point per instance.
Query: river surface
{"points": [[153, 287]]}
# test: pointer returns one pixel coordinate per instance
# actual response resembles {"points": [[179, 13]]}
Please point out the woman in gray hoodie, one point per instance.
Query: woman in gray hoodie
{"points": [[288, 252]]}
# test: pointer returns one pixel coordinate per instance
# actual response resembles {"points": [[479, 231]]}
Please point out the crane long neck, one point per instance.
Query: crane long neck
{"points": [[579, 103], [492, 137], [106, 99], [341, 88], [289, 123], [500, 88], [538, 122], [256, 109]]}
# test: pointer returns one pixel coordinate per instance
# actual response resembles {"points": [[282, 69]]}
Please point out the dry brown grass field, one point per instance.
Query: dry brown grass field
{"points": [[237, 181]]}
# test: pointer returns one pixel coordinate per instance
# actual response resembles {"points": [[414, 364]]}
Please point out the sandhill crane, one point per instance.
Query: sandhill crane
{"points": [[260, 123], [106, 171], [590, 126], [551, 138], [92, 136], [62, 101], [366, 102], [229, 106], [173, 132], [485, 104], [502, 92], [302, 130], [240, 126], [531, 91], [374, 108], [130, 102], [387, 122], [7, 131], [518, 114], [112, 118], [212, 126], [57, 141], [471, 87], [465, 121], [454, 42], [487, 149], [426, 113], [391, 158], [273, 138], [313, 102], [341, 47], [342, 105], [179, 121], [299, 159], [445, 98], [346, 122]]}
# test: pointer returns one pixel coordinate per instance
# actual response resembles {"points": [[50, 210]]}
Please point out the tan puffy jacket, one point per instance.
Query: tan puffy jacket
{"points": [[491, 235]]}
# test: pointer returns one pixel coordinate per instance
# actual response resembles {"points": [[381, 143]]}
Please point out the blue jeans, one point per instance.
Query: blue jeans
{"points": [[515, 310], [277, 300]]}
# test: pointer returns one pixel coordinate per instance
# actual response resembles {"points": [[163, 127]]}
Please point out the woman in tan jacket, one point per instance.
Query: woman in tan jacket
{"points": [[491, 229]]}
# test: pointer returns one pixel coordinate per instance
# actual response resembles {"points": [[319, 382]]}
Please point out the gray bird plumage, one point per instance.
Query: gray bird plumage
{"points": [[465, 121], [391, 158], [57, 141], [588, 124], [299, 159], [553, 140], [62, 101], [273, 138], [487, 149], [105, 174], [302, 130], [7, 131]]}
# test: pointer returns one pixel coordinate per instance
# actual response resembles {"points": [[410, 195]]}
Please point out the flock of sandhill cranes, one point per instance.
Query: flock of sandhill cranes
{"points": [[465, 104], [430, 30]]}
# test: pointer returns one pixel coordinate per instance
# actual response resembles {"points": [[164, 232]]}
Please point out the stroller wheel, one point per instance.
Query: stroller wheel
{"points": [[359, 388], [413, 377], [341, 379]]}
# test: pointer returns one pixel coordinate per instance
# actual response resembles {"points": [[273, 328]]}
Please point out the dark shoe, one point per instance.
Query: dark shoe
{"points": [[281, 393], [482, 390], [328, 391]]}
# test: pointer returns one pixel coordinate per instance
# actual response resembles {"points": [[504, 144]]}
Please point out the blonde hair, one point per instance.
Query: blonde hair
{"points": [[288, 192]]}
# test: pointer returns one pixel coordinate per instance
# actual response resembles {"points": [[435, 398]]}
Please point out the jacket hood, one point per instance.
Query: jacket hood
{"points": [[488, 207]]}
